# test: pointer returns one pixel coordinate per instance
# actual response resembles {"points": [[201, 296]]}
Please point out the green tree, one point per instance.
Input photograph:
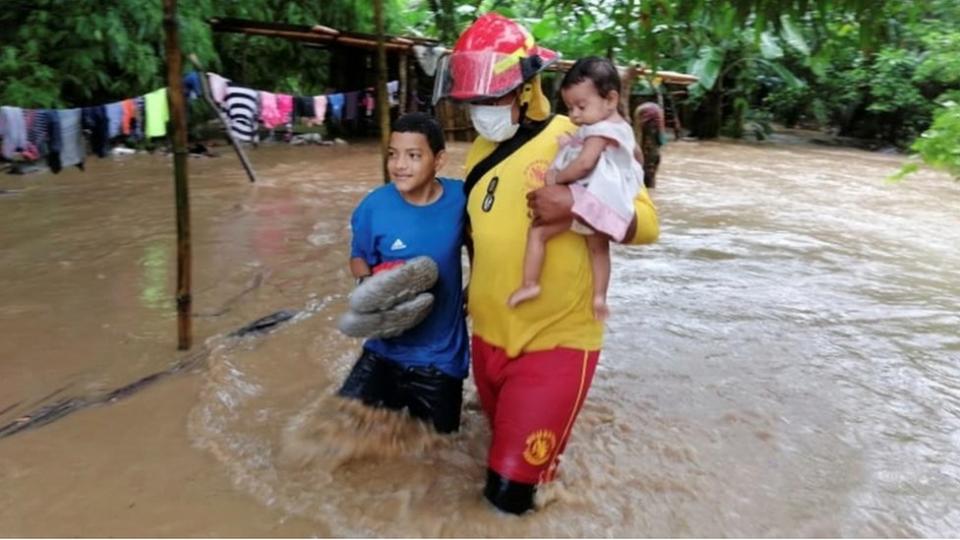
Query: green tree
{"points": [[939, 146], [60, 54]]}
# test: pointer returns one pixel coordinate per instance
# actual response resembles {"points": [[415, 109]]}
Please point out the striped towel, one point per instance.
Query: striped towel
{"points": [[241, 105], [38, 133]]}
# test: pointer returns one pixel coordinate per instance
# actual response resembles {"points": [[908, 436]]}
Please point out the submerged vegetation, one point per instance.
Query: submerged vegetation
{"points": [[882, 70]]}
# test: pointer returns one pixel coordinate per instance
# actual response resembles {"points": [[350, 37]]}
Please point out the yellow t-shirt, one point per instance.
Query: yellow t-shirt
{"points": [[562, 316]]}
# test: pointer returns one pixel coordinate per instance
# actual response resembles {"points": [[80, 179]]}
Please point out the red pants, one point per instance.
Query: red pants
{"points": [[531, 402]]}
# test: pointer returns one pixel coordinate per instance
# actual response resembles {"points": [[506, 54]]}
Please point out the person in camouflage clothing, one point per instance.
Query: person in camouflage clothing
{"points": [[650, 130]]}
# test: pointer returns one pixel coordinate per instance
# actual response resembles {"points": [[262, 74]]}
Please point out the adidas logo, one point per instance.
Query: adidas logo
{"points": [[398, 245]]}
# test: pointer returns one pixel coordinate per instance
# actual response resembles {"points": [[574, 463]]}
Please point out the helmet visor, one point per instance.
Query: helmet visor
{"points": [[470, 76]]}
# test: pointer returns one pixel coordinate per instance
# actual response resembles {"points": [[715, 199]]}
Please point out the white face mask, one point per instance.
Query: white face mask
{"points": [[494, 122]]}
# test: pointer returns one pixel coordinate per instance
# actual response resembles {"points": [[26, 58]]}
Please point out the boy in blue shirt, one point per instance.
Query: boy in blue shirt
{"points": [[416, 214]]}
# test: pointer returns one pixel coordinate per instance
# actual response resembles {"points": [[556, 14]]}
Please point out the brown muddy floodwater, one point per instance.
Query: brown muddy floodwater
{"points": [[784, 362]]}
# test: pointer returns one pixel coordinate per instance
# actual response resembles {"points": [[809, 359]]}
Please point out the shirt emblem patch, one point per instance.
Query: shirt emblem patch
{"points": [[535, 174], [398, 245]]}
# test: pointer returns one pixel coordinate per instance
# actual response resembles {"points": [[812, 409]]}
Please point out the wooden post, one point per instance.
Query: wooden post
{"points": [[403, 80], [208, 97], [415, 84], [628, 77], [178, 115], [382, 101]]}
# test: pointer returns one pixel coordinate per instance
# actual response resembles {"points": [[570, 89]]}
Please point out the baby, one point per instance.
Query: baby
{"points": [[599, 162]]}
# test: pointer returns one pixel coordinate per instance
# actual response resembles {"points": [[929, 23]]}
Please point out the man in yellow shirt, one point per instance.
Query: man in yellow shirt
{"points": [[532, 365]]}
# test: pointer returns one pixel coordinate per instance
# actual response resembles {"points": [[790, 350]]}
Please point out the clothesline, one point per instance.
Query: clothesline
{"points": [[57, 135], [246, 106]]}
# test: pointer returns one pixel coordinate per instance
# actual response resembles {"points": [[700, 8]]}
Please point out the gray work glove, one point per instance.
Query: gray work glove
{"points": [[390, 302]]}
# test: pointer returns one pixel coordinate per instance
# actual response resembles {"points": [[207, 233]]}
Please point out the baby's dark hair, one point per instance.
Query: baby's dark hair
{"points": [[600, 71], [417, 122]]}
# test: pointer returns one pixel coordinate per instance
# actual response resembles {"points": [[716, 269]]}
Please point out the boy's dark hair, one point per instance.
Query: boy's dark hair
{"points": [[598, 70], [417, 122]]}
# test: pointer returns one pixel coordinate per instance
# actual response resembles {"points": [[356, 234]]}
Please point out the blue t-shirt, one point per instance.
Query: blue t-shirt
{"points": [[388, 228]]}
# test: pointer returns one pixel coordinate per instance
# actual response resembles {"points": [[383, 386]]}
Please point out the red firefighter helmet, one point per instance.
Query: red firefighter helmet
{"points": [[492, 57]]}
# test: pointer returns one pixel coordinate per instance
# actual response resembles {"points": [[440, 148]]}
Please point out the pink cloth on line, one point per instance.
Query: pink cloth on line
{"points": [[218, 87], [285, 107], [596, 213], [320, 109], [275, 109], [269, 114]]}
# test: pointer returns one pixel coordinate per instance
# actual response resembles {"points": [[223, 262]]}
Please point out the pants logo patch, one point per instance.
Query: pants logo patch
{"points": [[540, 445]]}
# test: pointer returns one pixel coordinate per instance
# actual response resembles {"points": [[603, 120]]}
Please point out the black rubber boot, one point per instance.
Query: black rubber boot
{"points": [[507, 495]]}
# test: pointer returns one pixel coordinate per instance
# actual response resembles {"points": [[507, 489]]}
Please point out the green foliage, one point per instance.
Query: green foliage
{"points": [[890, 82], [793, 35], [941, 62], [736, 68], [893, 107], [789, 104], [707, 65], [882, 92], [866, 69], [80, 50], [65, 54], [769, 47], [907, 169], [939, 146], [27, 81]]}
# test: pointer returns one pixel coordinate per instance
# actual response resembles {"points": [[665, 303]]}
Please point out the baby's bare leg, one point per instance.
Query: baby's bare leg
{"points": [[533, 261], [599, 246]]}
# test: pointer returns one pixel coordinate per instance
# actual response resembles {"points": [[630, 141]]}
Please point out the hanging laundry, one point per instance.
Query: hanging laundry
{"points": [[72, 150], [303, 108], [95, 121], [37, 133], [158, 113], [13, 130], [319, 109], [368, 103], [336, 106], [29, 151], [218, 87], [114, 119], [428, 57], [140, 120], [54, 141], [418, 103], [191, 85], [269, 114], [129, 107], [351, 104], [393, 88], [241, 105], [275, 109], [285, 107]]}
